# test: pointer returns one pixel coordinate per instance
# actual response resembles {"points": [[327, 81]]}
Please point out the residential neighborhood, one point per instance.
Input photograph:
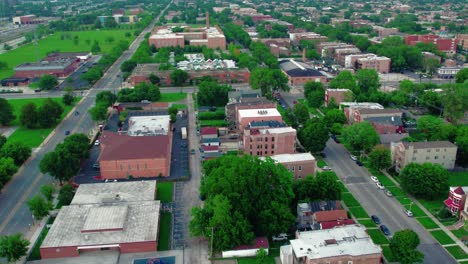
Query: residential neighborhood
{"points": [[267, 132]]}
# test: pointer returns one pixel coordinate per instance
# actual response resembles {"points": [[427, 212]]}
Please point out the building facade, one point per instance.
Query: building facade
{"points": [[456, 200], [443, 153], [269, 141], [299, 73], [447, 45], [246, 116], [339, 95], [299, 164]]}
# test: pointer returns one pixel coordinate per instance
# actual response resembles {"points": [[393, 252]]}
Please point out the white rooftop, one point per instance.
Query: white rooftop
{"points": [[361, 105], [338, 90], [115, 191], [268, 112], [277, 130], [148, 125], [283, 158], [105, 218], [341, 240]]}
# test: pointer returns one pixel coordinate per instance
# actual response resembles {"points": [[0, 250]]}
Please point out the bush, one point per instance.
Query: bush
{"points": [[444, 213], [211, 115]]}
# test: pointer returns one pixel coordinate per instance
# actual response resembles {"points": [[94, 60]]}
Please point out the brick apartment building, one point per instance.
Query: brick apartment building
{"points": [[269, 141], [144, 151], [310, 36], [327, 49], [385, 121], [379, 63], [340, 54], [447, 45], [339, 95], [300, 73], [246, 116], [299, 164], [244, 103], [122, 216], [384, 32], [341, 244], [443, 153], [278, 51]]}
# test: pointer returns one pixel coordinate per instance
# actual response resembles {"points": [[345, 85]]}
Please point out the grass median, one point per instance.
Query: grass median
{"points": [[358, 212], [457, 252], [377, 236], [427, 222], [442, 237]]}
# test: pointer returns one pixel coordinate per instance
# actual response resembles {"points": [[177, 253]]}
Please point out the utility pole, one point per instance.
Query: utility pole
{"points": [[211, 244]]}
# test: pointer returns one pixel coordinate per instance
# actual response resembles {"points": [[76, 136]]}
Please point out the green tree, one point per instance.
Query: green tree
{"points": [[268, 81], [68, 98], [3, 140], [334, 116], [321, 187], [314, 135], [47, 82], [98, 112], [462, 76], [379, 157], [210, 93], [431, 65], [301, 113], [403, 246], [16, 150], [367, 81], [13, 247], [106, 98], [417, 179], [97, 23], [154, 79], [344, 80], [179, 77], [93, 75], [48, 113], [48, 191], [310, 87], [261, 257], [39, 207], [455, 102], [95, 48], [461, 141], [7, 169], [61, 163], [66, 194], [6, 112], [431, 127], [361, 136], [78, 145], [3, 65], [110, 22], [316, 98], [128, 66]]}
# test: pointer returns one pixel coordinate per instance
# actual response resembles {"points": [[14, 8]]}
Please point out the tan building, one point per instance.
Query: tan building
{"points": [[384, 32], [299, 73], [341, 53], [379, 63], [443, 153], [269, 141], [299, 164], [211, 37], [342, 244]]}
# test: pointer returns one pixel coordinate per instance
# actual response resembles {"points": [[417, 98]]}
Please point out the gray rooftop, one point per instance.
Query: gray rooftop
{"points": [[430, 144], [107, 192], [44, 65]]}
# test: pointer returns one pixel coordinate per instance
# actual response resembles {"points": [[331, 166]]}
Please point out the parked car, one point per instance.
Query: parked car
{"points": [[96, 166], [192, 151], [388, 193], [97, 142], [374, 179], [280, 237], [385, 230], [408, 212], [67, 132], [353, 157], [359, 163], [380, 186], [376, 219], [326, 168]]}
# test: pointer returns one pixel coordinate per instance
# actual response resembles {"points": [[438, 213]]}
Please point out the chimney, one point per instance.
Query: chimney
{"points": [[207, 19], [304, 55]]}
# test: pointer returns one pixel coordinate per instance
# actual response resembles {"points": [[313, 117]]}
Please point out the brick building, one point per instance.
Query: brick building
{"points": [[244, 103], [341, 244], [340, 54], [246, 116], [211, 37], [59, 64], [28, 20], [379, 63], [327, 49], [385, 121], [300, 73], [145, 151], [299, 164], [118, 216], [443, 153], [340, 95], [269, 141], [310, 36], [384, 32], [456, 200], [447, 45]]}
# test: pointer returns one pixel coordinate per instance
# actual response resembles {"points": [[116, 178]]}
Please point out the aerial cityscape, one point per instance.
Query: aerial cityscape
{"points": [[233, 132]]}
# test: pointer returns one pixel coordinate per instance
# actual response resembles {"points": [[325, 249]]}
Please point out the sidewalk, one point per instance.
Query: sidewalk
{"points": [[432, 217], [33, 235]]}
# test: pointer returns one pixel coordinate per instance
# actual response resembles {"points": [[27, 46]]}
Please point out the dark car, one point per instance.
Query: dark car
{"points": [[359, 163], [376, 219], [385, 230], [67, 132]]}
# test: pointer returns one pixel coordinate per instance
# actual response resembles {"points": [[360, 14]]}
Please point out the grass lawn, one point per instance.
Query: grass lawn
{"points": [[27, 53], [164, 191], [396, 191], [321, 163], [332, 174], [358, 212], [460, 232], [343, 187], [172, 97], [404, 200], [458, 179], [213, 123], [427, 222], [416, 210], [180, 106], [164, 231], [253, 260], [35, 253], [377, 236], [433, 206], [33, 137], [349, 200], [388, 253], [442, 237], [367, 223], [457, 252]]}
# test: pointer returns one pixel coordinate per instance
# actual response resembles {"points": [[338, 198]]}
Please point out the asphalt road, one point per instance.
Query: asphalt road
{"points": [[14, 213], [375, 202]]}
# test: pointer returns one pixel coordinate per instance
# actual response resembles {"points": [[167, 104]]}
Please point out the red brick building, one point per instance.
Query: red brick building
{"points": [[269, 141], [59, 64], [340, 95], [246, 116], [385, 121], [300, 73], [456, 199], [299, 164], [447, 45]]}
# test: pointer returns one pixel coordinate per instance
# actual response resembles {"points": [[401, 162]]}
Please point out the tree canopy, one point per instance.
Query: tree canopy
{"points": [[268, 81], [6, 112], [245, 196], [16, 150], [417, 179], [47, 82], [314, 135], [380, 157], [13, 247], [141, 91], [179, 77], [321, 187], [403, 246], [210, 93], [361, 136]]}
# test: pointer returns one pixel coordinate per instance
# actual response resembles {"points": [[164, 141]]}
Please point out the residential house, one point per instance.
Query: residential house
{"points": [[456, 200], [332, 218], [436, 152]]}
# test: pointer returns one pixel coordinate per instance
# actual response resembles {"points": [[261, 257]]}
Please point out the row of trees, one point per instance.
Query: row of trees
{"points": [[103, 101], [44, 116], [210, 93], [141, 91], [12, 155]]}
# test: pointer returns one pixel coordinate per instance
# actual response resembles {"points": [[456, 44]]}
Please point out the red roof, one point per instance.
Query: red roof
{"points": [[210, 148], [333, 215], [259, 242], [459, 190], [448, 202], [209, 131], [331, 224], [125, 147]]}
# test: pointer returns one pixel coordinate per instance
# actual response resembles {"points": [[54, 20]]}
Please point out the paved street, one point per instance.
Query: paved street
{"points": [[389, 210], [14, 214]]}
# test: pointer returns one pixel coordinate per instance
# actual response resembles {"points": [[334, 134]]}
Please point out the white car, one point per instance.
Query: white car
{"points": [[380, 186], [388, 193], [353, 157], [97, 142], [280, 237], [326, 168], [408, 212], [374, 179]]}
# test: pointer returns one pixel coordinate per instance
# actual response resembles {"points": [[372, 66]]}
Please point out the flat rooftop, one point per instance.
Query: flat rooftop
{"points": [[45, 65], [268, 112], [351, 240], [148, 125], [277, 130], [283, 158], [361, 105], [107, 192]]}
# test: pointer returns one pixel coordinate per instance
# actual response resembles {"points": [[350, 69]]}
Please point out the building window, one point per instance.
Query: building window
{"points": [[299, 177], [437, 150], [414, 158], [436, 157], [273, 139], [455, 209], [266, 152], [272, 152], [266, 139], [266, 146], [250, 153], [456, 201], [300, 168], [293, 168]]}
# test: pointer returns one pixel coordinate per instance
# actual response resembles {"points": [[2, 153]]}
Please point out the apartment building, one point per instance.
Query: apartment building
{"points": [[339, 95], [443, 153], [269, 141], [299, 164]]}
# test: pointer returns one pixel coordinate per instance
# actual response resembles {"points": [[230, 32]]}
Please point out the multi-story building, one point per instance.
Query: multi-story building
{"points": [[448, 72], [27, 20], [311, 36], [340, 54], [379, 63], [243, 102], [437, 152], [327, 49], [269, 141], [456, 200], [385, 121], [341, 244], [299, 164], [384, 32], [246, 116], [348, 107], [300, 73], [339, 95], [447, 45]]}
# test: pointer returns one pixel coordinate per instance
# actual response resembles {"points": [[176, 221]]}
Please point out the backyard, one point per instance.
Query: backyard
{"points": [[33, 137], [172, 97], [65, 42], [164, 192]]}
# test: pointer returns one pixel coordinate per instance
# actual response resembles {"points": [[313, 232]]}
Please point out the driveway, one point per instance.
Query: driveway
{"points": [[375, 202]]}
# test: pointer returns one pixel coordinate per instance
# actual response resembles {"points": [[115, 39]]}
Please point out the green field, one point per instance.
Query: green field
{"points": [[32, 137], [442, 237], [164, 191], [164, 231], [180, 106], [213, 123], [458, 179], [27, 53], [388, 253], [172, 97]]}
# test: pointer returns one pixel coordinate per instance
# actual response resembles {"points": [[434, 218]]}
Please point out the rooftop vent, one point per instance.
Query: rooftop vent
{"points": [[262, 112], [117, 197], [330, 242]]}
